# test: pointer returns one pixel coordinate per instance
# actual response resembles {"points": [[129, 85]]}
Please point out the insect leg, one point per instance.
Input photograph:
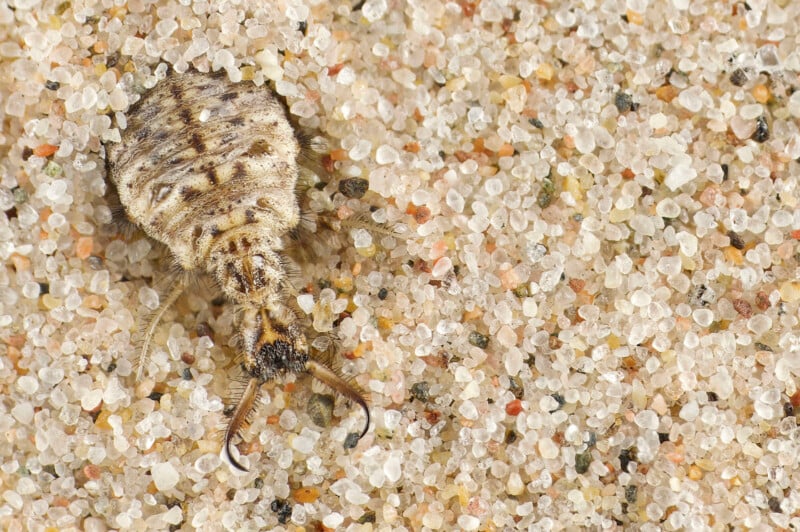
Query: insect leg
{"points": [[173, 296]]}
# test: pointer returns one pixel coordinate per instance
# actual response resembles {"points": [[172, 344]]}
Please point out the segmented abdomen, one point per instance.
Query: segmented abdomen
{"points": [[209, 167]]}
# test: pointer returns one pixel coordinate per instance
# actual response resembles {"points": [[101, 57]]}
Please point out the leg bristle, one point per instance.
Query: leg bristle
{"points": [[364, 221]]}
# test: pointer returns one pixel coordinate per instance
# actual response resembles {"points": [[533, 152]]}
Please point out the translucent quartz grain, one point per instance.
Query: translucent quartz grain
{"points": [[386, 155], [668, 208], [679, 176], [360, 150], [468, 522]]}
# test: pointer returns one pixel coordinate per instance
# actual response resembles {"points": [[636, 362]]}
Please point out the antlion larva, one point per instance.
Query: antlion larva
{"points": [[209, 168]]}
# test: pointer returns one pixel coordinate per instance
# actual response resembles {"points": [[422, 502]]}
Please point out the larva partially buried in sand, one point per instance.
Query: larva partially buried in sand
{"points": [[209, 168]]}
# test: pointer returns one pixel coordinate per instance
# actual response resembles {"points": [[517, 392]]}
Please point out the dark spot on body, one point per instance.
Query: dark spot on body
{"points": [[197, 143], [229, 96], [237, 276], [237, 121], [259, 147], [211, 174], [214, 231], [186, 116], [232, 247], [190, 193], [239, 170], [197, 231], [250, 216], [176, 91]]}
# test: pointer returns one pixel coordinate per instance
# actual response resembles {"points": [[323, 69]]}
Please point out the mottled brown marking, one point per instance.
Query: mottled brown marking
{"points": [[197, 143], [259, 147], [190, 193], [177, 91], [211, 174], [241, 284], [239, 170]]}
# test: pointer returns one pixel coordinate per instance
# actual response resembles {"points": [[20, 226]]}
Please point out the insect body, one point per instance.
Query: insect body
{"points": [[209, 168]]}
